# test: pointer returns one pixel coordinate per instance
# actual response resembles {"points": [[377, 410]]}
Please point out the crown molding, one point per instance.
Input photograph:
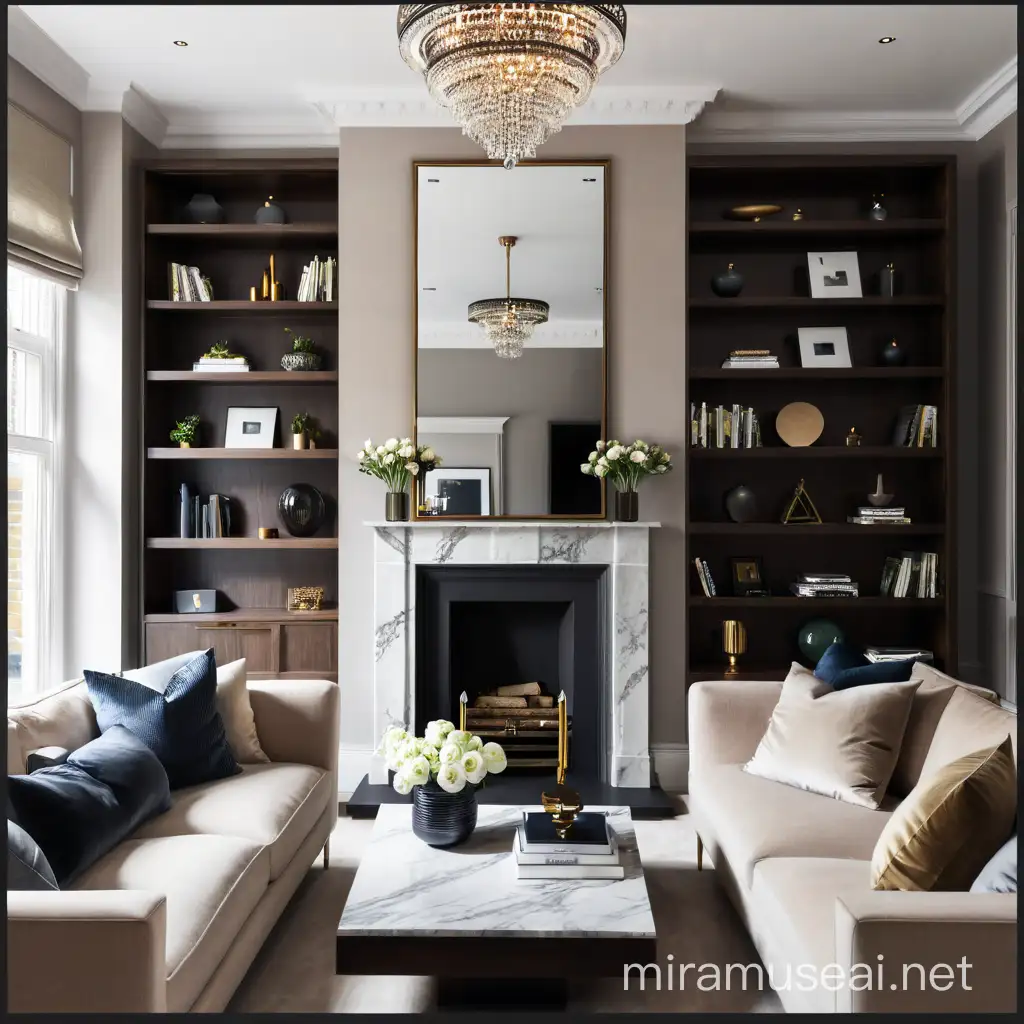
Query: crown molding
{"points": [[303, 128], [144, 116], [31, 47], [992, 102]]}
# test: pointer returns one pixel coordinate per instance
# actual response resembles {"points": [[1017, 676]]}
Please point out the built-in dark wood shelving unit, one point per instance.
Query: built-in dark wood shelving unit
{"points": [[918, 236], [251, 576]]}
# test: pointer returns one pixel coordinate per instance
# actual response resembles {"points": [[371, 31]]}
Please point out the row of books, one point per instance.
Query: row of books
{"points": [[189, 285], [917, 426], [724, 427], [203, 520], [911, 574], [824, 584], [882, 654], [751, 359], [233, 364], [704, 575], [590, 850], [868, 514], [317, 282]]}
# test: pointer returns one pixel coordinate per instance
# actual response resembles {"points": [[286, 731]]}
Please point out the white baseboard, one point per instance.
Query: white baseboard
{"points": [[671, 765]]}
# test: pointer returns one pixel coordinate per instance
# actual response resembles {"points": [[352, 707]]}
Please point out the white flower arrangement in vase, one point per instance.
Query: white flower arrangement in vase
{"points": [[625, 465], [397, 463], [451, 757]]}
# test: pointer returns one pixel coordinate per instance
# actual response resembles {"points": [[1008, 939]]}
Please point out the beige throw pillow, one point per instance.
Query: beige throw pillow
{"points": [[236, 711], [949, 827], [840, 743]]}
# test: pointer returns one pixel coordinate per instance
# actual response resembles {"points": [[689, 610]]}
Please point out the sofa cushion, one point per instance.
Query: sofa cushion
{"points": [[27, 866], [236, 713], [64, 718], [839, 743], [212, 885], [844, 665], [275, 805], [1000, 873], [754, 818], [950, 825]]}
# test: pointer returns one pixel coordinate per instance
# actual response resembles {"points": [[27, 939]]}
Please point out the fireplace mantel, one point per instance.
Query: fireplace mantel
{"points": [[624, 547]]}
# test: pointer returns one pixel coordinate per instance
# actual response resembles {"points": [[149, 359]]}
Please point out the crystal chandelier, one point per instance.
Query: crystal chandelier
{"points": [[508, 322], [511, 73]]}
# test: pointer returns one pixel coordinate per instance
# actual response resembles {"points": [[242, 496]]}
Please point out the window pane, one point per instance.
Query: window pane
{"points": [[30, 305], [24, 393], [25, 492]]}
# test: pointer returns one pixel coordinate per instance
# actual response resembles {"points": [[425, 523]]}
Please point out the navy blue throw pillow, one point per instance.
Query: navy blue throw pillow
{"points": [[27, 867], [180, 723], [79, 810], [1000, 873], [843, 665]]}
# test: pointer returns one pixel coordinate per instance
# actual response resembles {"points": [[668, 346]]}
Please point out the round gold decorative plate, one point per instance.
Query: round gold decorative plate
{"points": [[799, 424], [755, 211]]}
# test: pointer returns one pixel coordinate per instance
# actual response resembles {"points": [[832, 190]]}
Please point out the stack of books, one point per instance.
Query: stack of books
{"points": [[910, 574], [704, 575], [824, 584], [233, 364], [751, 359], [317, 284], [589, 851], [724, 427], [189, 285], [917, 426], [880, 654], [868, 514]]}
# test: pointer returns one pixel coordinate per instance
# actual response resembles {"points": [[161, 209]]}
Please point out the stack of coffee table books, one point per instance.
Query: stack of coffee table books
{"points": [[589, 851]]}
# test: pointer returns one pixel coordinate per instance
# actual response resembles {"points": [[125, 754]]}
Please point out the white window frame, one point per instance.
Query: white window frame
{"points": [[44, 608]]}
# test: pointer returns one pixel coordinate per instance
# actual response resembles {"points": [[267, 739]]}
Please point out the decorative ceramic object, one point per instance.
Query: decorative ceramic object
{"points": [[754, 211], [301, 361], [271, 213], [203, 209], [853, 438], [799, 215], [878, 211], [892, 354], [396, 506], [741, 504], [879, 498], [627, 506], [302, 509], [727, 285], [440, 818], [817, 636], [299, 441], [799, 424]]}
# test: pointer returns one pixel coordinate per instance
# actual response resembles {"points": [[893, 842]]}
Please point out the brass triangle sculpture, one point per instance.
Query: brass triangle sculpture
{"points": [[800, 508], [561, 801]]}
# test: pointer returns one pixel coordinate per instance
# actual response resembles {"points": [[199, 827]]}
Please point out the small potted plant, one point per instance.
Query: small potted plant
{"points": [[302, 356], [626, 465], [313, 434], [396, 463], [301, 423], [442, 770], [186, 431]]}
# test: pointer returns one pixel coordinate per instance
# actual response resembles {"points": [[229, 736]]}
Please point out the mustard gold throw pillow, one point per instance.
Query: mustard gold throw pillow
{"points": [[950, 824]]}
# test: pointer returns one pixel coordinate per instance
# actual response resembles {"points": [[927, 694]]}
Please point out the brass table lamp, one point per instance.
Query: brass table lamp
{"points": [[734, 642], [562, 802]]}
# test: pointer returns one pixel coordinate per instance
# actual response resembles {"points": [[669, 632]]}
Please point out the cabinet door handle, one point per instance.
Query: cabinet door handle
{"points": [[235, 626]]}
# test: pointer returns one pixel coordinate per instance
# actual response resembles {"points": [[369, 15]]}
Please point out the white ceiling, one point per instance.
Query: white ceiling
{"points": [[558, 220], [303, 69]]}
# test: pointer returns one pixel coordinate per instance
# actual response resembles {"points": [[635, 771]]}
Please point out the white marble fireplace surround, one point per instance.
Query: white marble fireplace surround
{"points": [[400, 547]]}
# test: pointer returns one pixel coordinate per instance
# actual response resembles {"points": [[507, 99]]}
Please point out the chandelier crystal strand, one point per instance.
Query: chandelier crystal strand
{"points": [[511, 73]]}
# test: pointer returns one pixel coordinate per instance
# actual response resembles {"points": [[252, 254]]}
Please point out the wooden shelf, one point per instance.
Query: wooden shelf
{"points": [[775, 225], [250, 377], [241, 453], [780, 601], [242, 543], [739, 530], [245, 615], [816, 373], [255, 233], [803, 302], [818, 452], [243, 306], [703, 672]]}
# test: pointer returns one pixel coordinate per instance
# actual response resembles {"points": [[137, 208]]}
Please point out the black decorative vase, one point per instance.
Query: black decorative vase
{"points": [[203, 209], [741, 504], [892, 354], [396, 508], [440, 818], [302, 509], [727, 285], [627, 506], [271, 213]]}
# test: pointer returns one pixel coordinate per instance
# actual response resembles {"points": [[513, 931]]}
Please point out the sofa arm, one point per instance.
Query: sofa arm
{"points": [[726, 719], [941, 952], [99, 951]]}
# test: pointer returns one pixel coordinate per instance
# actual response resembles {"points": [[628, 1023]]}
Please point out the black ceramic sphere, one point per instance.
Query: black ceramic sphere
{"points": [[892, 354], [741, 504], [728, 284], [302, 509], [440, 818]]}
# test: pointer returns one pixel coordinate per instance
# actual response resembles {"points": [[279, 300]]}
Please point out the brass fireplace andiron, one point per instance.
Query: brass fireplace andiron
{"points": [[562, 802]]}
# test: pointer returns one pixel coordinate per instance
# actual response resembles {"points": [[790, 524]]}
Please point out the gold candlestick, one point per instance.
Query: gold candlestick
{"points": [[734, 642], [562, 802], [265, 285], [463, 701]]}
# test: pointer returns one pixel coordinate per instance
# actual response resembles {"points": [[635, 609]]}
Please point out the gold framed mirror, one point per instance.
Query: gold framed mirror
{"points": [[510, 381]]}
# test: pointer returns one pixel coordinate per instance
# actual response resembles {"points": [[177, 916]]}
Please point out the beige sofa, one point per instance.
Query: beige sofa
{"points": [[796, 866], [171, 919]]}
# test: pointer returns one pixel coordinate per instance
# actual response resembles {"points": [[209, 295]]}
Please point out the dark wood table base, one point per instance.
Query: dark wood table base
{"points": [[495, 994]]}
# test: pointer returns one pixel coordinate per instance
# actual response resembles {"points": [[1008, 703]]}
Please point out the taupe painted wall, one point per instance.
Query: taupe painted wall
{"points": [[542, 386], [646, 367]]}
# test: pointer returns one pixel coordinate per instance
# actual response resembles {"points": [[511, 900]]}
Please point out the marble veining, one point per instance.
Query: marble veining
{"points": [[565, 546], [634, 629], [450, 540], [633, 680], [388, 632], [405, 888], [394, 540]]}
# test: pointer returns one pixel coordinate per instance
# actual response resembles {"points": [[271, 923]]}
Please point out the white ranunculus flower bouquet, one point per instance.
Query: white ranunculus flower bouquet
{"points": [[625, 465], [448, 756], [396, 462]]}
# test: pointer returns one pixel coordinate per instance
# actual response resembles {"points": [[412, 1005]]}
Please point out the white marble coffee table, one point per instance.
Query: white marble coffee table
{"points": [[462, 913]]}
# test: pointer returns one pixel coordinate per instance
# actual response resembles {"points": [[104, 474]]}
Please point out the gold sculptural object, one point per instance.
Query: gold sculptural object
{"points": [[562, 802], [734, 643], [463, 701]]}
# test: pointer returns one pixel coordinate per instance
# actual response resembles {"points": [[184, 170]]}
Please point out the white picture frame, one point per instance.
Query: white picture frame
{"points": [[250, 427], [824, 347], [834, 275], [444, 480]]}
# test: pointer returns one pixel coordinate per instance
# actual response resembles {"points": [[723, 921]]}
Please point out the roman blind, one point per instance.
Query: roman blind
{"points": [[40, 222]]}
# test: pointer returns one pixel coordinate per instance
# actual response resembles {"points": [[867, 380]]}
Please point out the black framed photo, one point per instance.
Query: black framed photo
{"points": [[747, 577]]}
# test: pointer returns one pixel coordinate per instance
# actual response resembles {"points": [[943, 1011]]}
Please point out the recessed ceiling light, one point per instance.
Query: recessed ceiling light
{"points": [[887, 39], [180, 42]]}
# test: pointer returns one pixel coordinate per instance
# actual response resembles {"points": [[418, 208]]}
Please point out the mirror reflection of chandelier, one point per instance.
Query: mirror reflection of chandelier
{"points": [[511, 73], [508, 322]]}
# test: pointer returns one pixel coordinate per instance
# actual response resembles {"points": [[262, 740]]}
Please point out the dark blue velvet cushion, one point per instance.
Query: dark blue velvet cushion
{"points": [[180, 723], [79, 810], [27, 867], [1000, 873], [843, 665]]}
